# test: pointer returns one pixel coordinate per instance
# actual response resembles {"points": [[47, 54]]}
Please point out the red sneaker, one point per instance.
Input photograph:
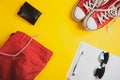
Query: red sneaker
{"points": [[84, 7], [102, 16]]}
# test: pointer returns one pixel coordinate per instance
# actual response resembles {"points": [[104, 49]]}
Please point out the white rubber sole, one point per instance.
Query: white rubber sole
{"points": [[73, 15], [86, 19]]}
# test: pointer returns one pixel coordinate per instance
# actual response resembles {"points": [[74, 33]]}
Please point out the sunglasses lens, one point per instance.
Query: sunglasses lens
{"points": [[99, 72], [104, 57]]}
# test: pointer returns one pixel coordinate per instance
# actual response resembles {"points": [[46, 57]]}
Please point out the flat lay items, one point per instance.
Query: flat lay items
{"points": [[95, 14], [22, 58], [92, 63]]}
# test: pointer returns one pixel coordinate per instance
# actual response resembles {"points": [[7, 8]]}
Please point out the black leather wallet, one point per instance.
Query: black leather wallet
{"points": [[29, 13]]}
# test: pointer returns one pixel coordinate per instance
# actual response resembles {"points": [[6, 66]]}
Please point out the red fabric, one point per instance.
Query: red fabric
{"points": [[26, 65]]}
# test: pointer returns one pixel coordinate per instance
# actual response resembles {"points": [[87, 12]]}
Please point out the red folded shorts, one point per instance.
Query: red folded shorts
{"points": [[22, 58]]}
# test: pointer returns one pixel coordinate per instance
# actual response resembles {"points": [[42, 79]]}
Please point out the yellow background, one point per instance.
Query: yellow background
{"points": [[59, 33]]}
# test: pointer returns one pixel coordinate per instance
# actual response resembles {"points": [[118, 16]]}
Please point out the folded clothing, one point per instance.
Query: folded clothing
{"points": [[21, 62]]}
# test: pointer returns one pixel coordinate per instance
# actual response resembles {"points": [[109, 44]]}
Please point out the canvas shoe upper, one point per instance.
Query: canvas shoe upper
{"points": [[102, 16], [83, 7]]}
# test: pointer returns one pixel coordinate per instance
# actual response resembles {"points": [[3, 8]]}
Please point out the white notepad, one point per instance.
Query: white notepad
{"points": [[86, 61]]}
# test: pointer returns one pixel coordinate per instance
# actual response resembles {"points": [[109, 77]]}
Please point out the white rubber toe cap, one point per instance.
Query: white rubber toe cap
{"points": [[91, 24], [78, 14]]}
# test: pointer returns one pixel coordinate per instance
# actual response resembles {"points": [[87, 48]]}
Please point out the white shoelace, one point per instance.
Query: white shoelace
{"points": [[113, 12], [10, 55], [92, 4]]}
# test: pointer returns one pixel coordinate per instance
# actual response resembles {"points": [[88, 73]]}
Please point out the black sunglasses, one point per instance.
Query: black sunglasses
{"points": [[103, 58]]}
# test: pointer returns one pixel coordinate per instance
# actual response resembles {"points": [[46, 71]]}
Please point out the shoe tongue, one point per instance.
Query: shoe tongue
{"points": [[103, 2], [93, 0], [100, 2]]}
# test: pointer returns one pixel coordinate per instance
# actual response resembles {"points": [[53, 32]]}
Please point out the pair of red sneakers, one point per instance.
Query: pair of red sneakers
{"points": [[96, 13]]}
